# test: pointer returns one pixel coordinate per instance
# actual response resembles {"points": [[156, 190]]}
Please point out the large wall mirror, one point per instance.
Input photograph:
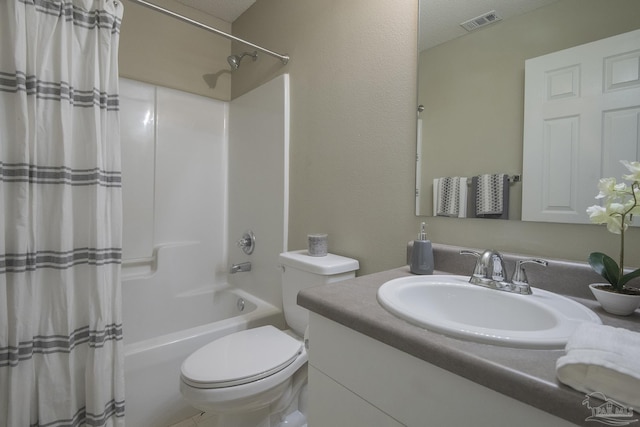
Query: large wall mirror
{"points": [[471, 84]]}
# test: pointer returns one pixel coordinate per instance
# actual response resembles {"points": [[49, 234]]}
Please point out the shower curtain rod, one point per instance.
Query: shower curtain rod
{"points": [[283, 58]]}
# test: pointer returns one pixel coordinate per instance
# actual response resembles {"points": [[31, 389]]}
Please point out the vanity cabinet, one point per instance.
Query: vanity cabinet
{"points": [[355, 380], [335, 405]]}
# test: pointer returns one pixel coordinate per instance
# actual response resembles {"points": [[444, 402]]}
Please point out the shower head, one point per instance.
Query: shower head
{"points": [[234, 60]]}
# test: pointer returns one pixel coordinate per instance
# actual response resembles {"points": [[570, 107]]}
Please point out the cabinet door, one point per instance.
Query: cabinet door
{"points": [[355, 380], [582, 116], [330, 404]]}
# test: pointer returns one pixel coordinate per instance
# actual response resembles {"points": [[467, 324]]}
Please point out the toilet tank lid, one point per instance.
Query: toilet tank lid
{"points": [[325, 265]]}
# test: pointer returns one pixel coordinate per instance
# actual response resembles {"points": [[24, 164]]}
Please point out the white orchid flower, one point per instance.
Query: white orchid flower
{"points": [[615, 225], [621, 202], [629, 205], [615, 208], [607, 187], [634, 168], [597, 214]]}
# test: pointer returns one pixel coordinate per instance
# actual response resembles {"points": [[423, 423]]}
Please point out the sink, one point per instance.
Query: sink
{"points": [[452, 306]]}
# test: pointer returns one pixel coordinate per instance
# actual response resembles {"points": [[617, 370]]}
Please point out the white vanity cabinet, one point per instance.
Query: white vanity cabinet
{"points": [[355, 380], [334, 405]]}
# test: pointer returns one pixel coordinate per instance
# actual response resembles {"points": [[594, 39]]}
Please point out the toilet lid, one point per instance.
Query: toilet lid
{"points": [[240, 358]]}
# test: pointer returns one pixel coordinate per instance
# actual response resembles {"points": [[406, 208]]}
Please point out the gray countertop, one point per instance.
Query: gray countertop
{"points": [[523, 374]]}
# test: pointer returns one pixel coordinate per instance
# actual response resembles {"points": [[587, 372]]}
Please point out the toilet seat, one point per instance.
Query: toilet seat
{"points": [[240, 358]]}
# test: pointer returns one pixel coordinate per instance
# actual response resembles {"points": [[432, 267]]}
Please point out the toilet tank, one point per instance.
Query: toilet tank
{"points": [[302, 271]]}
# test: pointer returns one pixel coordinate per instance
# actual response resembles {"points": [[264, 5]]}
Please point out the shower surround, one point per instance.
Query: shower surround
{"points": [[195, 172]]}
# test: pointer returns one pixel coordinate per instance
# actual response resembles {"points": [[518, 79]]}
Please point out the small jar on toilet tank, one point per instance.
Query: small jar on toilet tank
{"points": [[317, 244]]}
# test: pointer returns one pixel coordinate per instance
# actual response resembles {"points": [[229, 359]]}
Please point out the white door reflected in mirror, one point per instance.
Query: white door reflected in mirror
{"points": [[582, 116]]}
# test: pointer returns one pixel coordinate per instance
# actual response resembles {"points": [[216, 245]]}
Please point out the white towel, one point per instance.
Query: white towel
{"points": [[448, 196], [436, 196], [464, 189], [603, 359], [490, 194]]}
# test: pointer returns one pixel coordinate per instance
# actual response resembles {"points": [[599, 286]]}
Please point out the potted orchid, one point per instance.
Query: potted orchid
{"points": [[620, 202]]}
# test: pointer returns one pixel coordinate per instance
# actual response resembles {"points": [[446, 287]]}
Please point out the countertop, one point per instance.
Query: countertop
{"points": [[523, 374]]}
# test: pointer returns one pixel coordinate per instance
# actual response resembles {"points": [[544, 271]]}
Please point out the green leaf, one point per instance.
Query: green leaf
{"points": [[605, 266], [595, 261], [613, 271], [624, 279]]}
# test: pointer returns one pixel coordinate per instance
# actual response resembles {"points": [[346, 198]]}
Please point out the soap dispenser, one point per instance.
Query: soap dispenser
{"points": [[422, 254]]}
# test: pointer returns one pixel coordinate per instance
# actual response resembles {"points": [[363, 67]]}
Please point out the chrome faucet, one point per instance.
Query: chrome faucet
{"points": [[243, 266], [520, 276], [490, 272]]}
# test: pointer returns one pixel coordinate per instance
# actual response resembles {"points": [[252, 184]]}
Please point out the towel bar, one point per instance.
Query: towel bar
{"points": [[512, 179]]}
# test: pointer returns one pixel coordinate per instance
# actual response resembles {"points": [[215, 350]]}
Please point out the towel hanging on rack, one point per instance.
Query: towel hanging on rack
{"points": [[448, 200], [491, 195], [464, 192]]}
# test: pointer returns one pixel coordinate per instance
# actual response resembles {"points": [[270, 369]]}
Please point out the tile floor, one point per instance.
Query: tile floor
{"points": [[201, 420]]}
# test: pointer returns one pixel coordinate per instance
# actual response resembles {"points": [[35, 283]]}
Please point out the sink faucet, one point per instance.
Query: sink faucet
{"points": [[243, 266], [490, 272]]}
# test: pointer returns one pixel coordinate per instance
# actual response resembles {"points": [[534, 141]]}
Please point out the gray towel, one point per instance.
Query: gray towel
{"points": [[449, 196], [491, 196]]}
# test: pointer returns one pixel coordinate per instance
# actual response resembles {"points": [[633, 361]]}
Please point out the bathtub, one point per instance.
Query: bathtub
{"points": [[157, 343]]}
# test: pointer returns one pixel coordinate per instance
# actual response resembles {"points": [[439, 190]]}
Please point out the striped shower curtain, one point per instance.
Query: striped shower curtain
{"points": [[61, 351]]}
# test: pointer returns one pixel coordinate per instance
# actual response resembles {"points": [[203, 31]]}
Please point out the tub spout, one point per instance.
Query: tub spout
{"points": [[243, 266]]}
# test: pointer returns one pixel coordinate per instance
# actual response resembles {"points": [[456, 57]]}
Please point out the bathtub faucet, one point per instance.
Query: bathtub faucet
{"points": [[243, 266]]}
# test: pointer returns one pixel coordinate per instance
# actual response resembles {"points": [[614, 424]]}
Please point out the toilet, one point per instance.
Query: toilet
{"points": [[257, 377]]}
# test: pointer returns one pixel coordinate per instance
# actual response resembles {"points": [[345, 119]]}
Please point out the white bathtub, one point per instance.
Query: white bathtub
{"points": [[157, 343]]}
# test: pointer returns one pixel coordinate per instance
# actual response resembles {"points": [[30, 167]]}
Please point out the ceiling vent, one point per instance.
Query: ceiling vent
{"points": [[481, 21]]}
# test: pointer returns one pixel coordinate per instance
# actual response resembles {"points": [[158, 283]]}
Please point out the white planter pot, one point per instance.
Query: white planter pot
{"points": [[614, 303]]}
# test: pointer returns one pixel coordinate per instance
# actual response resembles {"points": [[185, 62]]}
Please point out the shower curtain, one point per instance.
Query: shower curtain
{"points": [[61, 350]]}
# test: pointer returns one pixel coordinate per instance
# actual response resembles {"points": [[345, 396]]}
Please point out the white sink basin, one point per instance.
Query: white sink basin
{"points": [[452, 306]]}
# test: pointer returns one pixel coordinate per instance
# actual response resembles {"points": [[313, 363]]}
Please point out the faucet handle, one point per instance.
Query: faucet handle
{"points": [[490, 265], [470, 252], [247, 242], [519, 275], [477, 270]]}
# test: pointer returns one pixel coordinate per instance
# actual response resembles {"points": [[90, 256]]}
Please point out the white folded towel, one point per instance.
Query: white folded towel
{"points": [[448, 196], [603, 359]]}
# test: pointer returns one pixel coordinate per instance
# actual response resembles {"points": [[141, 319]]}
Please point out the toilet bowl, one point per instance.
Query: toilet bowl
{"points": [[242, 372], [257, 377]]}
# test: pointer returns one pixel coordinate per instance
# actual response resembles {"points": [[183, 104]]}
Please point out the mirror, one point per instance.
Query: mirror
{"points": [[471, 84]]}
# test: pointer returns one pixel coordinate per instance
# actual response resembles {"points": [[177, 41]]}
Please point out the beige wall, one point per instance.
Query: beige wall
{"points": [[162, 50], [478, 81], [353, 79], [353, 93]]}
